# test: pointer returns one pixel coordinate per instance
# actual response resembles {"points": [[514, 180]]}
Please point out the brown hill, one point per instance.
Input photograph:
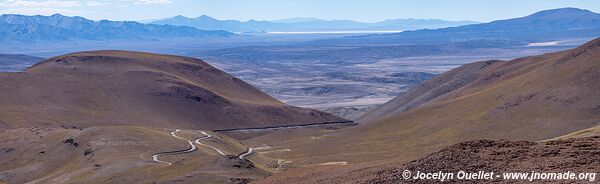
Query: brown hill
{"points": [[531, 99], [132, 88], [536, 72], [447, 82]]}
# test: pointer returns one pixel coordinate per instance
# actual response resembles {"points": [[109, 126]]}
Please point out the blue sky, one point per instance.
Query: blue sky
{"points": [[360, 10]]}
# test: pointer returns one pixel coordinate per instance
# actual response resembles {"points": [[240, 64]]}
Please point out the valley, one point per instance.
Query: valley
{"points": [[338, 81], [468, 103], [299, 100]]}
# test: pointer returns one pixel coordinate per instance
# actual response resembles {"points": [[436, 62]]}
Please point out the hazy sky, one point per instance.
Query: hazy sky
{"points": [[360, 10]]}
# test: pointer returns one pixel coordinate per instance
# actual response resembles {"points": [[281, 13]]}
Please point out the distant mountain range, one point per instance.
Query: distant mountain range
{"points": [[16, 62], [548, 25], [58, 27], [552, 24], [306, 24]]}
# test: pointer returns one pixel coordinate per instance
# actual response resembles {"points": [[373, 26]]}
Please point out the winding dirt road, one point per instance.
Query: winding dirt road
{"points": [[207, 136], [247, 153], [190, 149]]}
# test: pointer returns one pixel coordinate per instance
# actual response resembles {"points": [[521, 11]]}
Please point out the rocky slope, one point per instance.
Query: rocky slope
{"points": [[500, 156], [120, 154]]}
